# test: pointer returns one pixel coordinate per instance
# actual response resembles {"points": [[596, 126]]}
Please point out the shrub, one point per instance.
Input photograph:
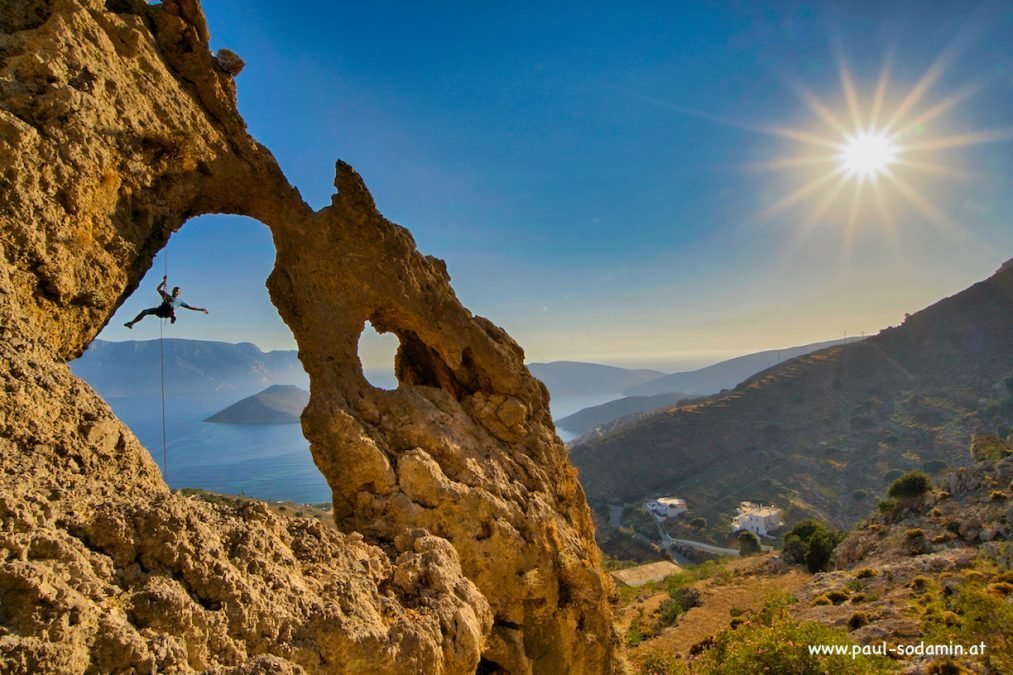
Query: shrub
{"points": [[749, 543], [934, 465], [821, 600], [866, 573], [838, 596], [794, 549], [988, 447], [778, 645], [637, 633], [811, 542], [859, 495], [669, 612], [1001, 587], [698, 523], [915, 542], [857, 620], [983, 616], [909, 486], [887, 506], [819, 550], [675, 582], [892, 475], [686, 597], [657, 663]]}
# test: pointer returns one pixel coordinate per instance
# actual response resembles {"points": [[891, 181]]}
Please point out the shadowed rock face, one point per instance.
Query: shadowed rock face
{"points": [[116, 126]]}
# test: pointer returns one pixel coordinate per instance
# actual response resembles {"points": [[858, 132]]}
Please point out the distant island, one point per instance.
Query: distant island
{"points": [[278, 404]]}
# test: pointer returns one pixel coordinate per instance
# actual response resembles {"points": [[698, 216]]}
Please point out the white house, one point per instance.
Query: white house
{"points": [[667, 507], [757, 518]]}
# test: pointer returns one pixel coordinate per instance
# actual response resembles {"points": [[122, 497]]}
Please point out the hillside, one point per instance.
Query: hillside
{"points": [[727, 374], [278, 404], [587, 419], [566, 378], [820, 434], [192, 367], [930, 567]]}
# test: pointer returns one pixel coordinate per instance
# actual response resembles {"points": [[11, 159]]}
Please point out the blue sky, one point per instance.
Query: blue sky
{"points": [[591, 172]]}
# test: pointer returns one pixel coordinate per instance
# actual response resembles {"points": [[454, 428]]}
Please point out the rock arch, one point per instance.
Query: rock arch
{"points": [[128, 131]]}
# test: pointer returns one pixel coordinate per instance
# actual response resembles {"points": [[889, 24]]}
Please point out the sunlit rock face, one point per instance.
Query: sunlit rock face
{"points": [[464, 540]]}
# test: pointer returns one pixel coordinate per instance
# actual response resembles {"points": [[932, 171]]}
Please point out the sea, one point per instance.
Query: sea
{"points": [[265, 461]]}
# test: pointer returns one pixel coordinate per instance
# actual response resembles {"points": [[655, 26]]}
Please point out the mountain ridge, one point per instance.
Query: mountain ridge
{"points": [[590, 418], [278, 404], [809, 432], [728, 373], [566, 378]]}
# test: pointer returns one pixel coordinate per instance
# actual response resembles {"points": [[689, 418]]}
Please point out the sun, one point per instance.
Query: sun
{"points": [[867, 154], [874, 156]]}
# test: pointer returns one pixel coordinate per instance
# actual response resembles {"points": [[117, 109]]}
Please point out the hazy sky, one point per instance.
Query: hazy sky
{"points": [[612, 182]]}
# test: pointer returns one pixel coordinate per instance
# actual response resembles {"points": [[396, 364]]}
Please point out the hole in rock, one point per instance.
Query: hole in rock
{"points": [[237, 365], [376, 354]]}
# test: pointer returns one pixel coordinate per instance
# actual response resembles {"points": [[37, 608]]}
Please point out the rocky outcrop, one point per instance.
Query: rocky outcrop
{"points": [[896, 571], [465, 540]]}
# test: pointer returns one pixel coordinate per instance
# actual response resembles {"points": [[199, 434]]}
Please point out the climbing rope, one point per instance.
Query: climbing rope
{"points": [[161, 373]]}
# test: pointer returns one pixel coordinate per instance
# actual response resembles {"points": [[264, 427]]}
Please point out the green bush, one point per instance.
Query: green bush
{"points": [[775, 644], [794, 549], [857, 620], [749, 543], [887, 505], [909, 486], [687, 597], [658, 663], [981, 616], [859, 495], [698, 523], [934, 465], [805, 529], [820, 548], [676, 582], [892, 475], [637, 633], [811, 542], [669, 612]]}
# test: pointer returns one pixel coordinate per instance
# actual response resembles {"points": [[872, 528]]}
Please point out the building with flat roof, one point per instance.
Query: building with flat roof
{"points": [[757, 518], [667, 507]]}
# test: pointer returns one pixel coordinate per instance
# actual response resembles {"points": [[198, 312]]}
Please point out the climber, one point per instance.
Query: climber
{"points": [[167, 310]]}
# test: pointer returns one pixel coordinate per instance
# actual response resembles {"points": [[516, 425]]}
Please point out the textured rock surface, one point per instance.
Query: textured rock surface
{"points": [[116, 126]]}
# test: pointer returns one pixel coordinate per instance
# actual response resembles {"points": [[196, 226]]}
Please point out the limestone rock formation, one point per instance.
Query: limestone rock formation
{"points": [[465, 540]]}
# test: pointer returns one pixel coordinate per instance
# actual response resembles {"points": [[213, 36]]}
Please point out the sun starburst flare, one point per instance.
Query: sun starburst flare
{"points": [[897, 157], [867, 154]]}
